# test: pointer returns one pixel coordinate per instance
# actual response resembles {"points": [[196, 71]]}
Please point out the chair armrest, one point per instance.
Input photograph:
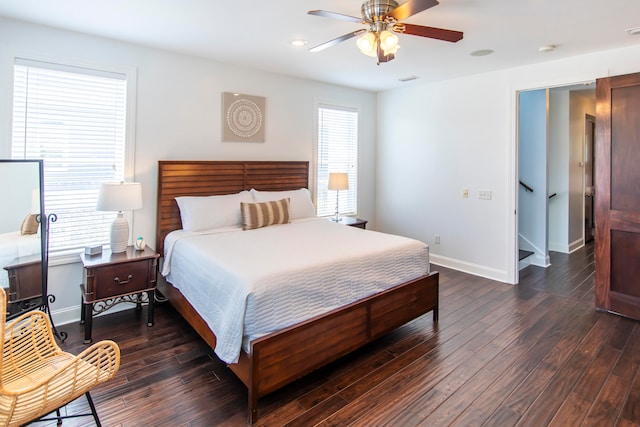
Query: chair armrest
{"points": [[103, 356], [95, 365], [73, 375]]}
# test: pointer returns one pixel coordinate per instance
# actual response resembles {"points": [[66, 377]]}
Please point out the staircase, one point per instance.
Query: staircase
{"points": [[524, 258], [523, 254]]}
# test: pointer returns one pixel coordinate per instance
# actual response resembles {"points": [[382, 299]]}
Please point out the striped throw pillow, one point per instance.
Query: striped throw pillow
{"points": [[256, 215]]}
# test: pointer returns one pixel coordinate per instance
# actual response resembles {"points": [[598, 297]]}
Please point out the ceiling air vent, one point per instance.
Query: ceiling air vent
{"points": [[408, 79]]}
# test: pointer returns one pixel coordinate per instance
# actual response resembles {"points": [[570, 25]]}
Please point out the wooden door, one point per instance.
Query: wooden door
{"points": [[617, 195]]}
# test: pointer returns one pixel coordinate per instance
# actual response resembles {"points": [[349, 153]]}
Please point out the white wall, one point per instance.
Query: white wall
{"points": [[461, 134], [446, 137], [178, 117]]}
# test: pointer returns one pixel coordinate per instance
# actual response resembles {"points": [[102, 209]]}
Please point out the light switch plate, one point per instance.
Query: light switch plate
{"points": [[484, 194]]}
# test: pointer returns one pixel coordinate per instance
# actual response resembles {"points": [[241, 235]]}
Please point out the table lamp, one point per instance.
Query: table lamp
{"points": [[119, 197], [338, 181]]}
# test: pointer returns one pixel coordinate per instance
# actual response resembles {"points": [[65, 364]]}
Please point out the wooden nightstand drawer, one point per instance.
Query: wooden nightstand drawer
{"points": [[111, 279], [121, 279], [25, 278]]}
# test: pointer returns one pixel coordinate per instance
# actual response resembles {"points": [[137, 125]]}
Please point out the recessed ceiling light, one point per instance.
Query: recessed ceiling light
{"points": [[299, 42], [481, 52], [633, 31], [408, 79], [547, 48]]}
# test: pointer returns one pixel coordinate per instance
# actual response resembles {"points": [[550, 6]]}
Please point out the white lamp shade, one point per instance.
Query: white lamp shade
{"points": [[120, 196], [338, 181]]}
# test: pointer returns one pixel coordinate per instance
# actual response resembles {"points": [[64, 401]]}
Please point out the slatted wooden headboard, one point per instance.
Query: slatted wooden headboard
{"points": [[207, 178]]}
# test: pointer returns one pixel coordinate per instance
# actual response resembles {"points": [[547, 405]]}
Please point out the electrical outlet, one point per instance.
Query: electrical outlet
{"points": [[484, 194], [437, 239], [465, 193]]}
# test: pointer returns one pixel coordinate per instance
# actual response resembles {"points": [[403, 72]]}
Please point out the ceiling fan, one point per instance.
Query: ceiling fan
{"points": [[383, 19]]}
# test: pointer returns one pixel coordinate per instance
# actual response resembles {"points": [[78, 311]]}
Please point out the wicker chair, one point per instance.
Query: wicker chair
{"points": [[37, 377]]}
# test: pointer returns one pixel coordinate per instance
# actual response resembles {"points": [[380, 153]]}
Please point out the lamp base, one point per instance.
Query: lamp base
{"points": [[336, 218], [119, 234]]}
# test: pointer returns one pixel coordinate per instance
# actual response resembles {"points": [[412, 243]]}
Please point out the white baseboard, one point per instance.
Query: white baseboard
{"points": [[574, 246], [540, 260], [467, 267], [566, 248]]}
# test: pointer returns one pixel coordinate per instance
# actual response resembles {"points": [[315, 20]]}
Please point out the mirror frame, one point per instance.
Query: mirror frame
{"points": [[41, 302]]}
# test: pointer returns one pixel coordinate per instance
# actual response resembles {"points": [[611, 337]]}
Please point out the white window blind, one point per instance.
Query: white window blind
{"points": [[73, 119], [337, 152]]}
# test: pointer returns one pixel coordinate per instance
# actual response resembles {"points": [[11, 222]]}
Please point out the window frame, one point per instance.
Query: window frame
{"points": [[91, 68], [332, 104]]}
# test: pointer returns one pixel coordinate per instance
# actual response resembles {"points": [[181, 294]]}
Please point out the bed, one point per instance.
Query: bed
{"points": [[272, 354]]}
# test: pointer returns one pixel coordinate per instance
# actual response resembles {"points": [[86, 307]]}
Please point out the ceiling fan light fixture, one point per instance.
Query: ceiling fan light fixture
{"points": [[388, 40], [368, 44], [393, 50]]}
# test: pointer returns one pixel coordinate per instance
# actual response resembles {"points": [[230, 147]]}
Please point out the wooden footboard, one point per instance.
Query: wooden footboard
{"points": [[279, 358]]}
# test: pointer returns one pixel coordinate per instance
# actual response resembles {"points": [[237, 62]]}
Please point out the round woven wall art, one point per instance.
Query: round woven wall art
{"points": [[244, 118]]}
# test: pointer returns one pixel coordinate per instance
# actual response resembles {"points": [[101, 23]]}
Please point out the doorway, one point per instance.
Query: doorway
{"points": [[561, 126]]}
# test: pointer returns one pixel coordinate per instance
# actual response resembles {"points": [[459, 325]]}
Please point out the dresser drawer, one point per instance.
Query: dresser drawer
{"points": [[119, 279]]}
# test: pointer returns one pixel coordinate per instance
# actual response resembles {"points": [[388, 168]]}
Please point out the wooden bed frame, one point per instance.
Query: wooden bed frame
{"points": [[284, 356]]}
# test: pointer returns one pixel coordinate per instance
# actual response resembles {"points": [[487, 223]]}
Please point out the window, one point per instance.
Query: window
{"points": [[75, 120], [337, 152]]}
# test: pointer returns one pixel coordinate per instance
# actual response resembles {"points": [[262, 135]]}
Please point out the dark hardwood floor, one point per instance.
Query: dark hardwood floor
{"points": [[534, 354]]}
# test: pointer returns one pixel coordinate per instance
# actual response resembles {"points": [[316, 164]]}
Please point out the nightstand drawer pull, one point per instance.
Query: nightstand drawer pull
{"points": [[118, 282]]}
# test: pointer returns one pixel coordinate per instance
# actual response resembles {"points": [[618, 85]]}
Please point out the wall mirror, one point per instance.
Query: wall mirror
{"points": [[23, 234]]}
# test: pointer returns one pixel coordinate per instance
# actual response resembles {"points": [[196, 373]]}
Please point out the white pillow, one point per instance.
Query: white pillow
{"points": [[300, 205], [209, 212]]}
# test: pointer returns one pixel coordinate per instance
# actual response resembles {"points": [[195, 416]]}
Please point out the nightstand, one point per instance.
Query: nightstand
{"points": [[110, 279], [353, 222], [25, 278]]}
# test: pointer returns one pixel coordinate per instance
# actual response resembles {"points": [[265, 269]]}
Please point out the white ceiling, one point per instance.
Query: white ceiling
{"points": [[257, 33]]}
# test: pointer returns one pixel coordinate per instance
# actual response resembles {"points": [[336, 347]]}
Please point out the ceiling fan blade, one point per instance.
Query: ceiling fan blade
{"points": [[433, 33], [337, 40], [335, 15], [411, 7]]}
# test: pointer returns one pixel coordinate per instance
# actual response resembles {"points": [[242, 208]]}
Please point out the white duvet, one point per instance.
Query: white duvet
{"points": [[246, 284]]}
